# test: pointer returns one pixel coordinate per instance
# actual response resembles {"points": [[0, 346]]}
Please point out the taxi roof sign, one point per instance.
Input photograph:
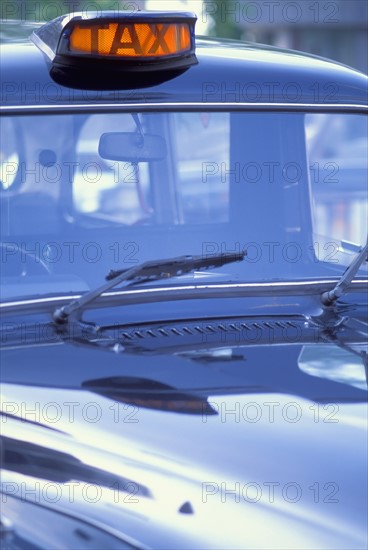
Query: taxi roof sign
{"points": [[128, 40], [134, 39]]}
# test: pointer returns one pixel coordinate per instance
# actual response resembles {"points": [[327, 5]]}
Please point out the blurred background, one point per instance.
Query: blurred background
{"points": [[336, 29]]}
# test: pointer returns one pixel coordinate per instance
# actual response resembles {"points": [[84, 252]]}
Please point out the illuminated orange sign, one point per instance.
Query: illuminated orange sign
{"points": [[130, 39]]}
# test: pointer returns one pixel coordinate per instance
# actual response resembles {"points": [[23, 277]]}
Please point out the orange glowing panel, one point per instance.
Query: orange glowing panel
{"points": [[126, 40]]}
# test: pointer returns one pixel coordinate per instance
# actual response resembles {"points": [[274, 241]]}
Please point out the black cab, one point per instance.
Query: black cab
{"points": [[183, 290]]}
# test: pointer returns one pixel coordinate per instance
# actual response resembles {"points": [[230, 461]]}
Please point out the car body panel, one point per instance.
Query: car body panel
{"points": [[249, 75]]}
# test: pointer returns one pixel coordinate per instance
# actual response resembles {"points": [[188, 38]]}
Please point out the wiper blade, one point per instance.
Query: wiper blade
{"points": [[329, 297], [149, 271], [175, 267]]}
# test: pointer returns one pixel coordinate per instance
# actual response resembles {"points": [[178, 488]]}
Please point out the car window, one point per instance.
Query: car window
{"points": [[202, 150], [122, 190], [338, 162], [113, 189]]}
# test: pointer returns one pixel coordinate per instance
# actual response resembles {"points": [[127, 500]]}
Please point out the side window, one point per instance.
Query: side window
{"points": [[338, 162], [106, 189], [32, 171], [189, 185], [202, 148], [9, 158]]}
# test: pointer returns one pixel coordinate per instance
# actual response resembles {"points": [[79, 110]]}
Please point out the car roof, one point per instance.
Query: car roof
{"points": [[228, 73]]}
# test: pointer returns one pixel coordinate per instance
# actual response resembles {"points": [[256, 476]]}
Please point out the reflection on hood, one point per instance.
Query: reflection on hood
{"points": [[149, 394]]}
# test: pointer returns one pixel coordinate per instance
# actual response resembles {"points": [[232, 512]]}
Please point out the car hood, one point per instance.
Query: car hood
{"points": [[204, 445]]}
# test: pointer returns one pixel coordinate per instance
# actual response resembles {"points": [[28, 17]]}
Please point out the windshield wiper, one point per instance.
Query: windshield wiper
{"points": [[329, 297], [149, 271]]}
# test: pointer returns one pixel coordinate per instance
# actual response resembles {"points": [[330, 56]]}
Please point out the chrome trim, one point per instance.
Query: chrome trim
{"points": [[39, 300], [183, 105], [167, 290]]}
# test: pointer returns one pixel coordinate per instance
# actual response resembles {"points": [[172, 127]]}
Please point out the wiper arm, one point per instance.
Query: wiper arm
{"points": [[329, 297], [149, 271]]}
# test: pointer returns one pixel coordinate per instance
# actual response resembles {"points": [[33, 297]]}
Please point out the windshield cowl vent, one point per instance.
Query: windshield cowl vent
{"points": [[211, 329]]}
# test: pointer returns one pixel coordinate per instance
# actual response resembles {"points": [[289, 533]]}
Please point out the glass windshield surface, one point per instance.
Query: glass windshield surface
{"points": [[85, 193]]}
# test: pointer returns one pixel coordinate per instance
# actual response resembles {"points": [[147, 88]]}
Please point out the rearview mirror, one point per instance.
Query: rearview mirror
{"points": [[132, 147]]}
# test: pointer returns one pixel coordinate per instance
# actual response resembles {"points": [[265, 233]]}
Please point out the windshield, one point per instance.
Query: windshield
{"points": [[85, 193]]}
